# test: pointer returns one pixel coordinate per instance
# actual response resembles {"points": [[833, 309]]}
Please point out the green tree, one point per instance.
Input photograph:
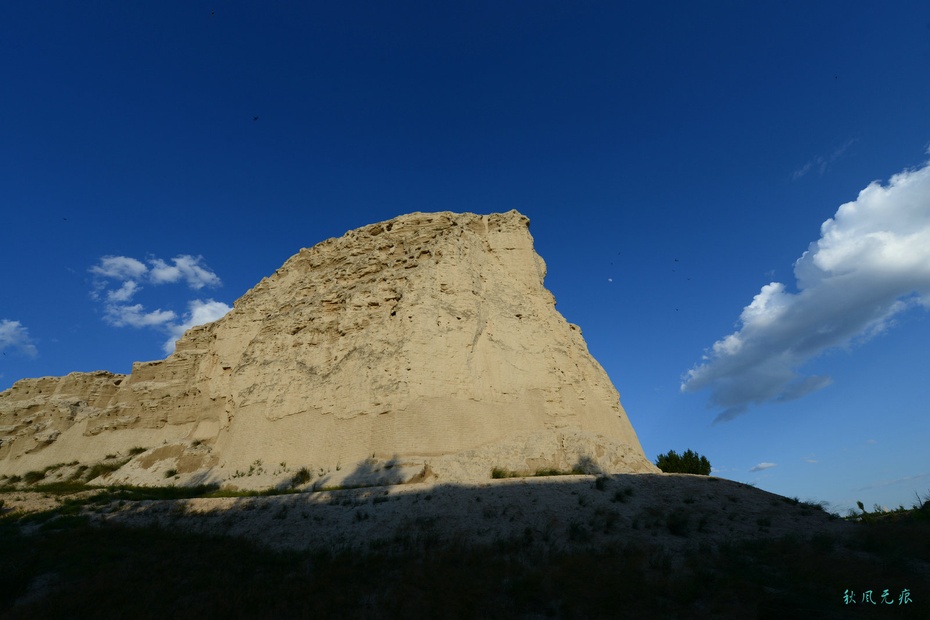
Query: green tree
{"points": [[687, 463]]}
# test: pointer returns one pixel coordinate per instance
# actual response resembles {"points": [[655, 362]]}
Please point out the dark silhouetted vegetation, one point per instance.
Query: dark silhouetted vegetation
{"points": [[687, 463]]}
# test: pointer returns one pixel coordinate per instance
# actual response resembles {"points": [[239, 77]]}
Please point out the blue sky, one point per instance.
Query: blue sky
{"points": [[678, 162]]}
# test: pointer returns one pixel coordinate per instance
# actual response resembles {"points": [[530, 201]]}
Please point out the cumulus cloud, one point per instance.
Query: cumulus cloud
{"points": [[14, 336], [871, 263], [762, 466], [199, 313], [120, 278]]}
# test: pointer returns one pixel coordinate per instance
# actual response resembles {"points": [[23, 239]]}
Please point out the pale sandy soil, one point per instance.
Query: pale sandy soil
{"points": [[30, 501], [676, 512]]}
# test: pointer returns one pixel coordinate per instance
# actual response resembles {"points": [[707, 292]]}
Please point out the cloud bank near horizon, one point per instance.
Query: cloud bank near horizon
{"points": [[871, 263], [120, 278]]}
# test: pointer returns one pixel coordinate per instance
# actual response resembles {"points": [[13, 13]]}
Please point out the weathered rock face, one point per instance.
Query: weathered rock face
{"points": [[425, 346]]}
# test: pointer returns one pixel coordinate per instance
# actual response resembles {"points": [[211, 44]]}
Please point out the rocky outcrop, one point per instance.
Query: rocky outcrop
{"points": [[426, 345]]}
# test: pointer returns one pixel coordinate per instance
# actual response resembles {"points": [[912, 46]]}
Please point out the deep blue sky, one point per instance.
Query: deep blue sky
{"points": [[674, 158]]}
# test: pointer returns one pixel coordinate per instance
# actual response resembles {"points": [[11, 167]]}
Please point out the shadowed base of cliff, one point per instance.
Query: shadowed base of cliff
{"points": [[556, 546]]}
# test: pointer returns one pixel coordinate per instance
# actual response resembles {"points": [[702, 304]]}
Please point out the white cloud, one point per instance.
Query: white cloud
{"points": [[14, 336], [200, 313], [119, 267], [135, 316], [121, 278], [123, 293], [872, 262], [185, 267], [762, 466]]}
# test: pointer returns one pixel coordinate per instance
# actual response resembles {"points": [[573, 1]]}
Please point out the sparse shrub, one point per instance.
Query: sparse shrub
{"points": [[604, 519], [600, 483], [171, 473], [101, 469], [79, 472], [303, 476], [623, 496], [31, 477], [14, 479], [824, 543], [137, 450], [677, 522], [578, 532], [498, 472], [687, 463], [660, 561], [702, 524], [810, 507]]}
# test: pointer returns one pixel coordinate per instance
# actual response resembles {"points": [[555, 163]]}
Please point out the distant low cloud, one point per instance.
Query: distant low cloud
{"points": [[821, 162], [762, 466], [871, 263], [14, 336], [120, 278], [887, 483]]}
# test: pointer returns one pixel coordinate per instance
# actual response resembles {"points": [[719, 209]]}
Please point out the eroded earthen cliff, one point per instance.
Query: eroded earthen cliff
{"points": [[424, 346]]}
